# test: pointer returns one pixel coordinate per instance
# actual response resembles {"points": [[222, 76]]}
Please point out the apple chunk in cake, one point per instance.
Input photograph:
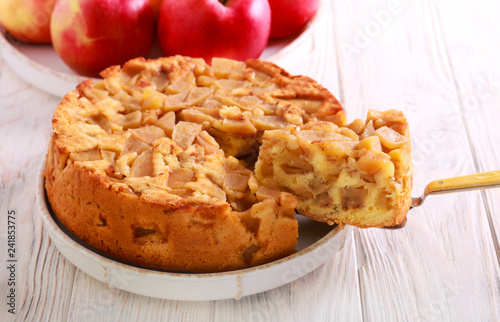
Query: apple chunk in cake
{"points": [[358, 175]]}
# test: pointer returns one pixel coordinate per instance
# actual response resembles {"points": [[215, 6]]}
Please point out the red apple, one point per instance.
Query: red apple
{"points": [[288, 17], [27, 20], [236, 29], [156, 7], [91, 35]]}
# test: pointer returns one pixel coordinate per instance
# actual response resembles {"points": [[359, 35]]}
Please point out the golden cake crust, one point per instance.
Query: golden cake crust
{"points": [[143, 165], [197, 238]]}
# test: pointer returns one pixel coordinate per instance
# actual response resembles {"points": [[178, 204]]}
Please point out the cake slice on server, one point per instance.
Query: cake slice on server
{"points": [[359, 175]]}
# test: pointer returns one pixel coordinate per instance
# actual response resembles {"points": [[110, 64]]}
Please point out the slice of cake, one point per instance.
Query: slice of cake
{"points": [[359, 175]]}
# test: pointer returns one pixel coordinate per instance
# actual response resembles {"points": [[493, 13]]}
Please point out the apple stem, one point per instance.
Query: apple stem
{"points": [[224, 2]]}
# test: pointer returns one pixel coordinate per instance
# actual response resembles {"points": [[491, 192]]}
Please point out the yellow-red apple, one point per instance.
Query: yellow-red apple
{"points": [[91, 35], [288, 17], [27, 20], [237, 29]]}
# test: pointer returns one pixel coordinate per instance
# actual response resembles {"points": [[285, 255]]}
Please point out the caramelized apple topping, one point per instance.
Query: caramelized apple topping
{"points": [[191, 130]]}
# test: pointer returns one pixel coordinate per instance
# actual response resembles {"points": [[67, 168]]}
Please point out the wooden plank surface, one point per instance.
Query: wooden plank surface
{"points": [[443, 265], [477, 74], [43, 277], [436, 61]]}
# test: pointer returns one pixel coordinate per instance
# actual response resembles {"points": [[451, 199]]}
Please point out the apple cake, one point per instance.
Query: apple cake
{"points": [[360, 174], [154, 163]]}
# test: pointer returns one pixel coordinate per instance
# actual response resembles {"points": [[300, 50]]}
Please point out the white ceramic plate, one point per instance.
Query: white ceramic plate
{"points": [[40, 65], [316, 244]]}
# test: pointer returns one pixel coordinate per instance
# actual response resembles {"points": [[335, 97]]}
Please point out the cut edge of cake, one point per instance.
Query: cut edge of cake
{"points": [[360, 174]]}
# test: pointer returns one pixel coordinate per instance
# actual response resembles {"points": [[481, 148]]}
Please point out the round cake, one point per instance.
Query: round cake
{"points": [[154, 164]]}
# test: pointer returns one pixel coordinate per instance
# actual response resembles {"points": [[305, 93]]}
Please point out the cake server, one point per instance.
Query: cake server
{"points": [[477, 181]]}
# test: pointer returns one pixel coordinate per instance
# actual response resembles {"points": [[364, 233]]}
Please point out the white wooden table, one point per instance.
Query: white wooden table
{"points": [[438, 61]]}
